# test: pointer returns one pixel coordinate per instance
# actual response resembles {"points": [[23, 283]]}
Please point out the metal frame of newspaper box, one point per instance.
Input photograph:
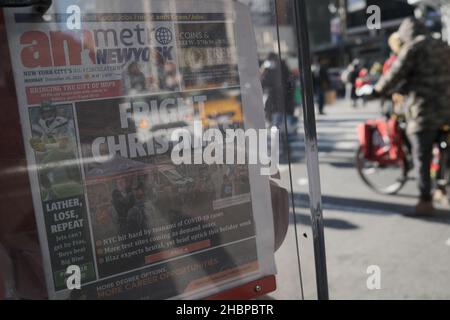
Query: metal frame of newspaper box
{"points": [[312, 157], [248, 291]]}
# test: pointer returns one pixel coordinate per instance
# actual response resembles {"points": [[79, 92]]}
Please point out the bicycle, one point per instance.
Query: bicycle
{"points": [[384, 161]]}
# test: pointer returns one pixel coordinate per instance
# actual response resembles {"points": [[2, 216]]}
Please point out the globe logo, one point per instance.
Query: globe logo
{"points": [[163, 35]]}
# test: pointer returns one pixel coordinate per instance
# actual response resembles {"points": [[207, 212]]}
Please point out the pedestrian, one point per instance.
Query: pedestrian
{"points": [[277, 83], [395, 45], [321, 83], [276, 80], [349, 76], [422, 74]]}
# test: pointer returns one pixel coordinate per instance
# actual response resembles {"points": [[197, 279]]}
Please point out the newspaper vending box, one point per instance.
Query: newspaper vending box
{"points": [[146, 151]]}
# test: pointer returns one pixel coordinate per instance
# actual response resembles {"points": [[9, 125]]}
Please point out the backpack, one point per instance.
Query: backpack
{"points": [[382, 140]]}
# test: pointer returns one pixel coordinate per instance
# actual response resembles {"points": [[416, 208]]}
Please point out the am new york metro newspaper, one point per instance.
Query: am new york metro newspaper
{"points": [[107, 196]]}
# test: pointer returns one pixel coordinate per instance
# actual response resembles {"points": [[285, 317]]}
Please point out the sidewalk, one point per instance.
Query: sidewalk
{"points": [[363, 228]]}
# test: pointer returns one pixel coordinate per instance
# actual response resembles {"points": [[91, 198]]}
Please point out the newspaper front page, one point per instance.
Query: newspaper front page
{"points": [[101, 88]]}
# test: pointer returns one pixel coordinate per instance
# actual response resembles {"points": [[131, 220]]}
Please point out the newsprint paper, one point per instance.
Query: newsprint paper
{"points": [[101, 86]]}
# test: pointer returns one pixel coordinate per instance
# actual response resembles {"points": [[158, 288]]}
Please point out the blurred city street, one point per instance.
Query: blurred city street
{"points": [[362, 228]]}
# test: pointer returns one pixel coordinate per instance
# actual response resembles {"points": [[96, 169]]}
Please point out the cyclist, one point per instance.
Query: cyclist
{"points": [[422, 70]]}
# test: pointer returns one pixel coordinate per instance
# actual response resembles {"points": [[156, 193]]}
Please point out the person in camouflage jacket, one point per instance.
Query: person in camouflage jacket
{"points": [[422, 74]]}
